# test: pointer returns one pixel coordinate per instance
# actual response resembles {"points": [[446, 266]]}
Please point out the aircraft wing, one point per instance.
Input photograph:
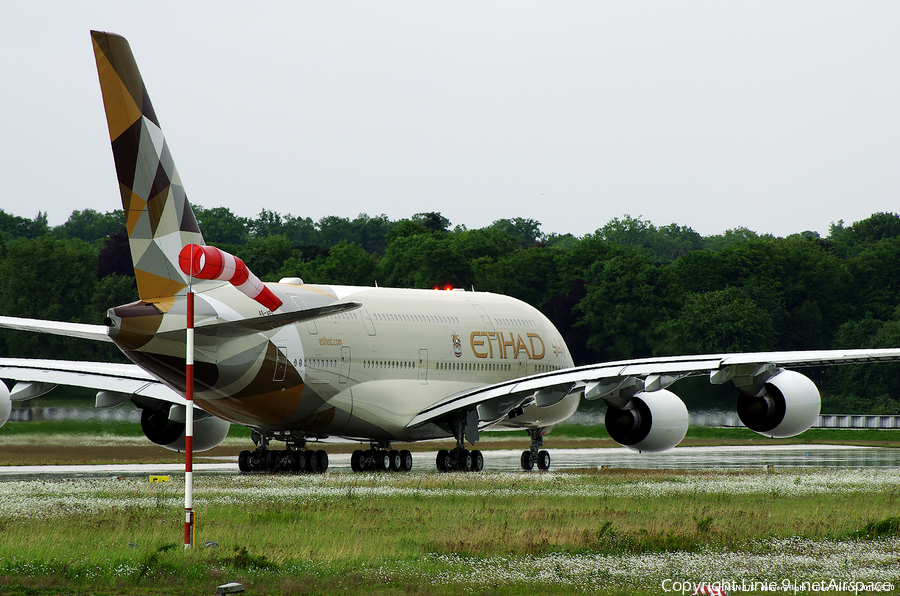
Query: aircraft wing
{"points": [[651, 374], [125, 379]]}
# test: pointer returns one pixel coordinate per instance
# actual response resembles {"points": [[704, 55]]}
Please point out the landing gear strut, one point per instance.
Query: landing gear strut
{"points": [[381, 458], [536, 455], [296, 459], [460, 459]]}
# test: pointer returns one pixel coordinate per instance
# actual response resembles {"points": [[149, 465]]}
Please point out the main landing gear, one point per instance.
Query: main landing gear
{"points": [[296, 459], [536, 455], [460, 459], [381, 458]]}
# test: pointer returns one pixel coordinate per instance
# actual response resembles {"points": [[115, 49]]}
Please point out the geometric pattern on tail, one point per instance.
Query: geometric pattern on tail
{"points": [[158, 217]]}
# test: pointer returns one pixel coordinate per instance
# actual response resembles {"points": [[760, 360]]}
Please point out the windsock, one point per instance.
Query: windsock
{"points": [[208, 262]]}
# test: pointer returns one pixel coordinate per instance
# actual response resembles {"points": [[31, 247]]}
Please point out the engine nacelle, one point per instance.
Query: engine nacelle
{"points": [[788, 405], [5, 403], [654, 421], [209, 431]]}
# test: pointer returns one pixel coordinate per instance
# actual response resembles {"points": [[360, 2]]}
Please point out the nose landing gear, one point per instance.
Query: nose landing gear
{"points": [[536, 455]]}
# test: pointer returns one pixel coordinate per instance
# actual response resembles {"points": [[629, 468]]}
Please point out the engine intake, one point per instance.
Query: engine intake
{"points": [[787, 405], [652, 421], [158, 426]]}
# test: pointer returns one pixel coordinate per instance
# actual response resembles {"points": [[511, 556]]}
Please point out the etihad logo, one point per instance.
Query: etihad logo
{"points": [[557, 346], [493, 344]]}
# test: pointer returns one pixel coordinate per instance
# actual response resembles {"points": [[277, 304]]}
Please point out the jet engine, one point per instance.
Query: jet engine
{"points": [[167, 428], [5, 403], [787, 405], [651, 421]]}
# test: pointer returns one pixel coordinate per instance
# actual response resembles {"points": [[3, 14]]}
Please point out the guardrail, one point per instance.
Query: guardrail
{"points": [[713, 419], [729, 419], [104, 415], [857, 421]]}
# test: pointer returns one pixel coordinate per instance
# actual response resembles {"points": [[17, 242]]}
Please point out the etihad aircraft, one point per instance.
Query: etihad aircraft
{"points": [[298, 363]]}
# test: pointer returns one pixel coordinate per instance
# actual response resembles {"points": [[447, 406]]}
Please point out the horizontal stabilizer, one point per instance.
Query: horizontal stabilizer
{"points": [[81, 330], [260, 324]]}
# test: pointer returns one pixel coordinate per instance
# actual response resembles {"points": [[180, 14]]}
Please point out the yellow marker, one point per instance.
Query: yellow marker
{"points": [[159, 479]]}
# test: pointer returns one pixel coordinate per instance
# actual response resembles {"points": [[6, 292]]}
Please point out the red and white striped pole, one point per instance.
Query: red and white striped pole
{"points": [[189, 427]]}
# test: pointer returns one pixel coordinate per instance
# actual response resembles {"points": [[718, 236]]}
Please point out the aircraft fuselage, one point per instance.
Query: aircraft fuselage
{"points": [[361, 374]]}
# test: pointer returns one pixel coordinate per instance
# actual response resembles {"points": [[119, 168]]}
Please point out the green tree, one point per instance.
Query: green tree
{"points": [[219, 225], [860, 236], [799, 282], [876, 279], [864, 388], [531, 275], [265, 256], [48, 278], [628, 300], [349, 264], [728, 238], [90, 225], [13, 226], [526, 232], [668, 242], [425, 261], [432, 221], [721, 321]]}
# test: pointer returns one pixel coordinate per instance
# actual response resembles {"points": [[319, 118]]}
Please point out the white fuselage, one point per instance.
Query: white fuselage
{"points": [[404, 350]]}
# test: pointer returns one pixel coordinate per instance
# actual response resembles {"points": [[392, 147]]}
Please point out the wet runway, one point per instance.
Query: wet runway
{"points": [[684, 458]]}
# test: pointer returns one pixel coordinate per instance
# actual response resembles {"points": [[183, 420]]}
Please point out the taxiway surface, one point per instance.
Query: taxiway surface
{"points": [[684, 458]]}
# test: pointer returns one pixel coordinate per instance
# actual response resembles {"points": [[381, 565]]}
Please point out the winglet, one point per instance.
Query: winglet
{"points": [[158, 217]]}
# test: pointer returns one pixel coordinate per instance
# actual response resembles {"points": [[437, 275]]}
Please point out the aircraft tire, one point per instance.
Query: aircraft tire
{"points": [[405, 461], [298, 461], [443, 460], [356, 460], [477, 461], [543, 462], [271, 461], [322, 456], [465, 461], [527, 462], [244, 461], [383, 461], [312, 462]]}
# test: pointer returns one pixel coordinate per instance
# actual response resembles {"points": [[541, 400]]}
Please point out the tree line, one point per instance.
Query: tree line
{"points": [[631, 289]]}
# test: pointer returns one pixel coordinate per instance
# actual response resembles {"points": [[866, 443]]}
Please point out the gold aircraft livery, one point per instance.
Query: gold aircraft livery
{"points": [[298, 363]]}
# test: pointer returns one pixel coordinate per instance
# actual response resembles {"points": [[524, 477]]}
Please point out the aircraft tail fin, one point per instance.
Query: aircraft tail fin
{"points": [[158, 217]]}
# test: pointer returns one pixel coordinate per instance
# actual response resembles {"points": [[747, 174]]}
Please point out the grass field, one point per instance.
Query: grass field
{"points": [[587, 531], [584, 532], [603, 532]]}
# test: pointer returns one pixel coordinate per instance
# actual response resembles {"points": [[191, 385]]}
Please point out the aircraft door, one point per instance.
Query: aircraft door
{"points": [[345, 364], [485, 319], [370, 326], [523, 363], [281, 361], [310, 324], [423, 366]]}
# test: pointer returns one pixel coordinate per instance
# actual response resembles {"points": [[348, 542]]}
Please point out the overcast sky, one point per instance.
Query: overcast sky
{"points": [[778, 116]]}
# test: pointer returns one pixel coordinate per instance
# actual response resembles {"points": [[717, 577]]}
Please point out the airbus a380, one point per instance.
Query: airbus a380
{"points": [[298, 363]]}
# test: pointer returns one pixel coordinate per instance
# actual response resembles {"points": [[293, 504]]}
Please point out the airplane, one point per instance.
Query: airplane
{"points": [[298, 363]]}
